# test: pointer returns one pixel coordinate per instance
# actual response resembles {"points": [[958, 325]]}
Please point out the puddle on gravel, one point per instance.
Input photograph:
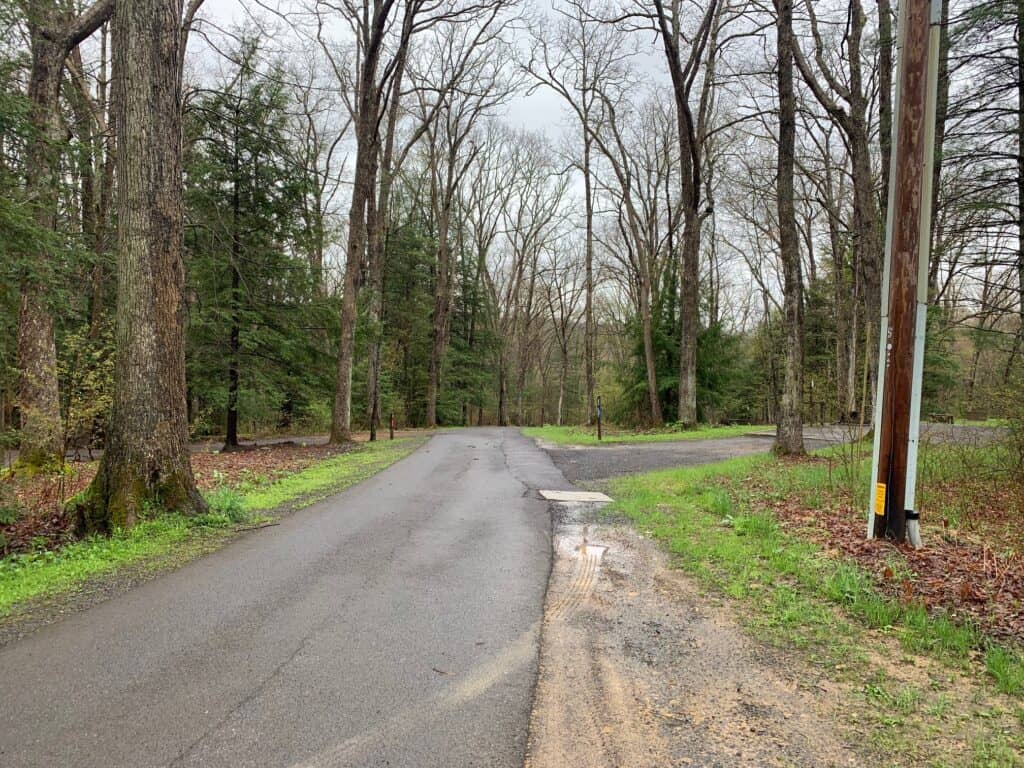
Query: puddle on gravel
{"points": [[639, 671]]}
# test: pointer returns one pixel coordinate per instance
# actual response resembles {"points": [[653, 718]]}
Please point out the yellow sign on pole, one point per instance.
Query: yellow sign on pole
{"points": [[880, 499]]}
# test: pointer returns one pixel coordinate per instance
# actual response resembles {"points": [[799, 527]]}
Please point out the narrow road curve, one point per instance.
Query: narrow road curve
{"points": [[395, 624]]}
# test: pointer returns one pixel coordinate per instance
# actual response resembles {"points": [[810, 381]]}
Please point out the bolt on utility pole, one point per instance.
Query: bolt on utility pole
{"points": [[897, 413]]}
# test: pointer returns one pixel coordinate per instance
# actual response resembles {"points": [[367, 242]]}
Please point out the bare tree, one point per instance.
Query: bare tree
{"points": [[532, 214], [370, 24], [639, 167], [684, 69], [789, 438], [845, 98], [574, 60], [563, 291], [473, 63]]}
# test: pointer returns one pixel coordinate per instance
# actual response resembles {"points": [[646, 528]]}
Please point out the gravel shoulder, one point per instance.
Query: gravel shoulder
{"points": [[640, 670]]}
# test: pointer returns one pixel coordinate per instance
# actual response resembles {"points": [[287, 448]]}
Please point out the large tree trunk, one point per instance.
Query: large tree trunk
{"points": [[53, 35], [146, 461], [867, 230], [38, 395], [789, 436], [689, 318], [367, 147], [867, 219], [690, 194], [341, 417], [378, 215], [375, 268]]}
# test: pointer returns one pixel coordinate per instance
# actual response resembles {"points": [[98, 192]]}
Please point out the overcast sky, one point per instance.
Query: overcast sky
{"points": [[540, 110]]}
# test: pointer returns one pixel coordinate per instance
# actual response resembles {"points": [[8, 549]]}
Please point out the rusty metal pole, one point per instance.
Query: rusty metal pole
{"points": [[599, 415], [901, 350], [391, 426]]}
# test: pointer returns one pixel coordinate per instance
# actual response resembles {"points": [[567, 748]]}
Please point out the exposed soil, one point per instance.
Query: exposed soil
{"points": [[638, 670]]}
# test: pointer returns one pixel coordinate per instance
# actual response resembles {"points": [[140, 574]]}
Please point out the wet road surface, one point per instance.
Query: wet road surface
{"points": [[395, 624]]}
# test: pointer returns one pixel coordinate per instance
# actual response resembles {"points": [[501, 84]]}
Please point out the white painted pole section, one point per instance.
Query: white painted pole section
{"points": [[924, 259], [883, 326]]}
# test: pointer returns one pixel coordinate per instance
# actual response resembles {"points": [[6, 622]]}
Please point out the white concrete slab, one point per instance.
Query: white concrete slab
{"points": [[574, 496]]}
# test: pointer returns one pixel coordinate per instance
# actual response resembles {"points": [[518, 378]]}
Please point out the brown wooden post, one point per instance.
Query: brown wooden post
{"points": [[907, 210]]}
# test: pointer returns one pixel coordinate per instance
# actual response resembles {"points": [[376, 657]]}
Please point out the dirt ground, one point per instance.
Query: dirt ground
{"points": [[638, 670]]}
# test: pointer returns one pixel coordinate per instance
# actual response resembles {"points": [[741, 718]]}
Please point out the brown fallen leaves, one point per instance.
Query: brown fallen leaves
{"points": [[974, 572], [41, 523]]}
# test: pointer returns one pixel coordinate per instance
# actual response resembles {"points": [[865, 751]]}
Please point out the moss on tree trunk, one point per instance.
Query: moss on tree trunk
{"points": [[146, 462]]}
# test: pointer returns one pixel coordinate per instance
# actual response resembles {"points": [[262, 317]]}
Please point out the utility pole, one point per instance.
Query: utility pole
{"points": [[897, 414]]}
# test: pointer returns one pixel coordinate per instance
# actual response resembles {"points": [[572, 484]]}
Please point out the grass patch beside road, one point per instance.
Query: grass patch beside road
{"points": [[330, 476], [172, 538], [588, 435], [726, 525]]}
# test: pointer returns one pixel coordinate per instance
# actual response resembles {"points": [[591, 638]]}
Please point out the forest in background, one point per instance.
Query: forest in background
{"points": [[367, 230]]}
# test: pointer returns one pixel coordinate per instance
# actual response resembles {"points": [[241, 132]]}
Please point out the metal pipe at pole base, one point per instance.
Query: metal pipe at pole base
{"points": [[914, 530]]}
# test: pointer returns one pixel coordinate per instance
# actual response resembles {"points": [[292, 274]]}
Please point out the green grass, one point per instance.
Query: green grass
{"points": [[993, 422], [712, 521], [329, 476], [588, 435], [166, 539], [716, 522]]}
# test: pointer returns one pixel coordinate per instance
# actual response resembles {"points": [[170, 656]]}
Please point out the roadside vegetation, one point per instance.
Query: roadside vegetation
{"points": [[613, 435], [928, 642], [239, 496]]}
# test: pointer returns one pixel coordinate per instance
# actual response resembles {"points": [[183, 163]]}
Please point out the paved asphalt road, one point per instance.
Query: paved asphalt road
{"points": [[581, 465], [584, 464], [395, 624]]}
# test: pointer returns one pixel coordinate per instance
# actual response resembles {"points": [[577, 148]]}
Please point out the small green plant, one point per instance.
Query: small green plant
{"points": [[227, 503], [9, 510], [1007, 667]]}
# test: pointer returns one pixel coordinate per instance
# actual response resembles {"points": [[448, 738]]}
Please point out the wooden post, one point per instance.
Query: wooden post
{"points": [[599, 417], [908, 237], [391, 426]]}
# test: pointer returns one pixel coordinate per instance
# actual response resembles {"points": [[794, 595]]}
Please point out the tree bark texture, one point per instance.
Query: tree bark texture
{"points": [[789, 436], [38, 395], [367, 140], [146, 461], [53, 34]]}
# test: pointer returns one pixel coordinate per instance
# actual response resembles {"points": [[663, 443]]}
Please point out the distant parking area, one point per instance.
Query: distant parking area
{"points": [[582, 464]]}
